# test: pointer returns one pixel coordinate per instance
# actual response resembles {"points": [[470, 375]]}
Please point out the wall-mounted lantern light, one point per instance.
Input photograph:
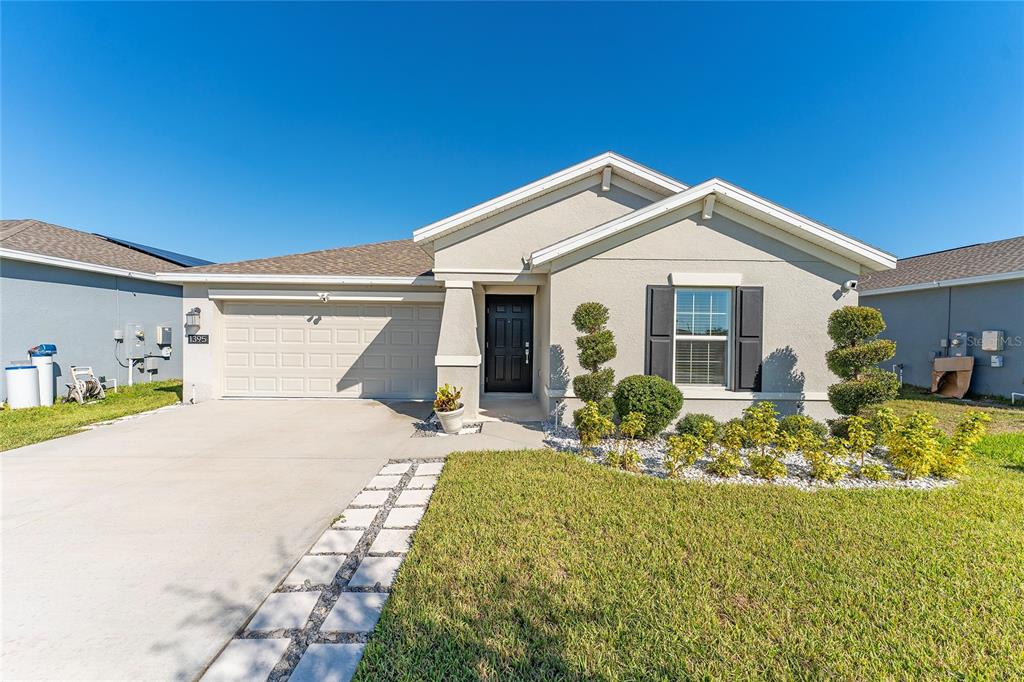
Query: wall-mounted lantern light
{"points": [[192, 321]]}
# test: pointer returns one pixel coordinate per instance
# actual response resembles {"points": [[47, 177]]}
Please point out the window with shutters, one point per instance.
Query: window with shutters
{"points": [[702, 336]]}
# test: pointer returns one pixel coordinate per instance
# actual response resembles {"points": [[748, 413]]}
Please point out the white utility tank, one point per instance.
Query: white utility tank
{"points": [[44, 363], [22, 385]]}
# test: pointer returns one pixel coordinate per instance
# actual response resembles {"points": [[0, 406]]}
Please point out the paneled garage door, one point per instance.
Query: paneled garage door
{"points": [[339, 350]]}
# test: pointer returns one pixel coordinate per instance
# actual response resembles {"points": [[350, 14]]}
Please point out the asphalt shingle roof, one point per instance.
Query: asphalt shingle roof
{"points": [[992, 258], [400, 258], [46, 239]]}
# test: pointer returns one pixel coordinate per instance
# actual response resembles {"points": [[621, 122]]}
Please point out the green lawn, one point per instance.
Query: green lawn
{"points": [[1005, 418], [537, 565], [24, 427]]}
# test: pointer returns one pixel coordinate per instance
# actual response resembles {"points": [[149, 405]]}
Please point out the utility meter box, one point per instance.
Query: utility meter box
{"points": [[134, 341], [992, 340], [958, 345], [163, 336], [152, 363]]}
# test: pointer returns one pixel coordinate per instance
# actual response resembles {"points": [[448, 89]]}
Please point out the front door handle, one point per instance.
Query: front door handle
{"points": [[527, 352]]}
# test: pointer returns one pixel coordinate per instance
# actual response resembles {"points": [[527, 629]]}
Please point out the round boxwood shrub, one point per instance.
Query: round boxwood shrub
{"points": [[691, 424], [658, 400], [795, 423]]}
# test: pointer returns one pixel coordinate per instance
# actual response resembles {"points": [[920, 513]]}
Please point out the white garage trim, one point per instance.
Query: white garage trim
{"points": [[281, 295], [224, 278]]}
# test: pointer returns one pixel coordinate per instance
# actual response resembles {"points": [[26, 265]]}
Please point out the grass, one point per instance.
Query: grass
{"points": [[537, 565], [36, 424], [1005, 418]]}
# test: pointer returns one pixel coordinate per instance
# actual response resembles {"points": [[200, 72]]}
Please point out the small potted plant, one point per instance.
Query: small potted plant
{"points": [[449, 408]]}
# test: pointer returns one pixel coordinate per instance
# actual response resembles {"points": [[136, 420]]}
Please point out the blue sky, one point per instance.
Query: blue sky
{"points": [[232, 131]]}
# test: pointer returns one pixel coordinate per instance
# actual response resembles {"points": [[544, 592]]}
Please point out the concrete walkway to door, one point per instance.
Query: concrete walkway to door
{"points": [[135, 550]]}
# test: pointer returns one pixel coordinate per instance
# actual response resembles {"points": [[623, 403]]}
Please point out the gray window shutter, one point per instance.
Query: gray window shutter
{"points": [[661, 322], [749, 323]]}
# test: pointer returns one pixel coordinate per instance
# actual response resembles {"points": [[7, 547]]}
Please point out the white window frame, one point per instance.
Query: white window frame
{"points": [[731, 292]]}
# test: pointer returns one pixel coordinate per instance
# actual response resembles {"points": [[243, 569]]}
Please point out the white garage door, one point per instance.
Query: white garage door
{"points": [[338, 350]]}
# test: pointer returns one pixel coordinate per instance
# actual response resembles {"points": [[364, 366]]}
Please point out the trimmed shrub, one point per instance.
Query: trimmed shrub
{"points": [[762, 425], [857, 352], [726, 461], [952, 461], [683, 450], [824, 460], [859, 438], [873, 472], [795, 423], [596, 346], [743, 425], [767, 467], [694, 422], [594, 387], [655, 398]]}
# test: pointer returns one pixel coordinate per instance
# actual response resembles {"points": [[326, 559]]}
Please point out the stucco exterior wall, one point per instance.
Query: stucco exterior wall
{"points": [[79, 311], [504, 240], [918, 320], [801, 289]]}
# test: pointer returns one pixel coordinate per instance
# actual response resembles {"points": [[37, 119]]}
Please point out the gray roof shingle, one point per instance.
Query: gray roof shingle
{"points": [[400, 258], [1006, 255], [46, 239]]}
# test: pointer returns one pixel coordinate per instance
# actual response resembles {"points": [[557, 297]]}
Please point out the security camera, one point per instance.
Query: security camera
{"points": [[850, 285], [324, 296]]}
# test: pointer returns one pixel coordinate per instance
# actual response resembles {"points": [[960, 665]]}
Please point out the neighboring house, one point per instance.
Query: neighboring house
{"points": [[74, 289], [710, 286], [928, 299]]}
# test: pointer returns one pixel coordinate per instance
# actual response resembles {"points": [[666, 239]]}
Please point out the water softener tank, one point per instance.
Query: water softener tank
{"points": [[42, 358], [22, 385]]}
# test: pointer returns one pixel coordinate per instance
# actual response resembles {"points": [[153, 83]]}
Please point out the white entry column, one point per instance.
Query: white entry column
{"points": [[458, 350]]}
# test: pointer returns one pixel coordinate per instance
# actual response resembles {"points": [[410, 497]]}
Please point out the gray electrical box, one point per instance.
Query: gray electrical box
{"points": [[958, 345], [163, 336], [152, 363], [134, 341], [992, 341]]}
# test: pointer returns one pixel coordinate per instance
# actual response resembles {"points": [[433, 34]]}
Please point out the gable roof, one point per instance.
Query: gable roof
{"points": [[626, 168], [972, 264], [733, 197], [65, 247], [394, 259]]}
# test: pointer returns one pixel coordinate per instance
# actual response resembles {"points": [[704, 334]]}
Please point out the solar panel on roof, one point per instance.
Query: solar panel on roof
{"points": [[170, 256]]}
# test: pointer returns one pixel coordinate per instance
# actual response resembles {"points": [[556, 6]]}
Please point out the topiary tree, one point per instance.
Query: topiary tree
{"points": [[857, 351], [658, 400], [596, 346]]}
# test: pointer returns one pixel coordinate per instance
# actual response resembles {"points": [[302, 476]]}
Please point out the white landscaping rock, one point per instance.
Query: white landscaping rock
{"points": [[328, 663], [284, 611], [355, 612], [246, 659]]}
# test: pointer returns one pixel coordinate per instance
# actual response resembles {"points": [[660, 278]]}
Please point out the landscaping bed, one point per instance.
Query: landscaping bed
{"points": [[540, 565], [36, 424]]}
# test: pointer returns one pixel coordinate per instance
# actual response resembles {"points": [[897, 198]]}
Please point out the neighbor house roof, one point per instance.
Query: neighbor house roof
{"points": [[394, 259], [992, 261], [645, 179], [726, 194], [34, 240]]}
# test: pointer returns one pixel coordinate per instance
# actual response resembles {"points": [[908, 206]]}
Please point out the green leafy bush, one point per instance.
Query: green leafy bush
{"points": [[859, 438], [655, 398], [632, 425], [873, 472], [762, 425], [824, 460], [682, 451], [596, 346], [766, 466], [882, 423], [594, 387], [952, 461], [726, 461], [743, 425], [914, 444], [630, 460], [795, 423], [694, 422], [853, 330], [591, 425]]}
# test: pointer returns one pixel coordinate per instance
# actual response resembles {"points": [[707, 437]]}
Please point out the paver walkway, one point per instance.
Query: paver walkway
{"points": [[314, 627]]}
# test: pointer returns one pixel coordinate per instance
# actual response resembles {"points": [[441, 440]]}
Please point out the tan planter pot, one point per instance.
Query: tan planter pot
{"points": [[451, 422]]}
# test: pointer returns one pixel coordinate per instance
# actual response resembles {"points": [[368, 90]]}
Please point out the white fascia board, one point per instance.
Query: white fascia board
{"points": [[705, 279], [332, 296], [54, 261], [962, 281], [563, 177], [226, 278], [785, 219]]}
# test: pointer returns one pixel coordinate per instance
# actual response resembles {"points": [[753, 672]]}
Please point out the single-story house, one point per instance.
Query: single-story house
{"points": [[710, 286], [75, 289], [931, 302]]}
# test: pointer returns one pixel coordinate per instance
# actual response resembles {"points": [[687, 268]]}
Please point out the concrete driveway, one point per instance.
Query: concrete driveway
{"points": [[134, 551]]}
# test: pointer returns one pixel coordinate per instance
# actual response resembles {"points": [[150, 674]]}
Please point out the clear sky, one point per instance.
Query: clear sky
{"points": [[232, 131]]}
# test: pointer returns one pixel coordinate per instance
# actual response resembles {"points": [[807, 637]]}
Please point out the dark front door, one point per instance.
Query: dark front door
{"points": [[508, 354]]}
